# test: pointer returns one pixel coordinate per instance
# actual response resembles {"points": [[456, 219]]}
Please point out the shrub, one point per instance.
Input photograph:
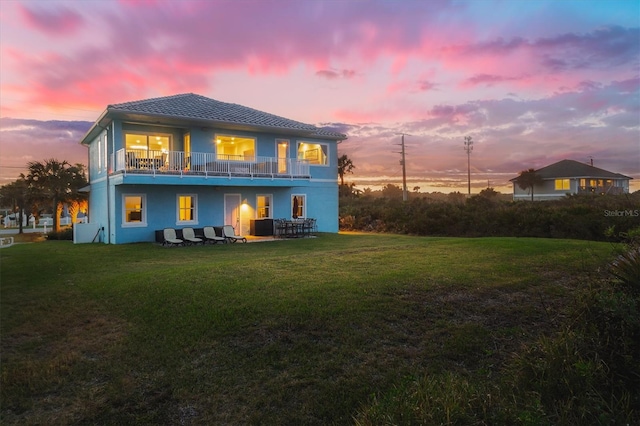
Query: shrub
{"points": [[64, 234], [626, 268], [579, 217]]}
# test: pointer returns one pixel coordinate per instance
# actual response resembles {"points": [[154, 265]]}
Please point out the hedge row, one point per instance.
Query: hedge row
{"points": [[581, 217]]}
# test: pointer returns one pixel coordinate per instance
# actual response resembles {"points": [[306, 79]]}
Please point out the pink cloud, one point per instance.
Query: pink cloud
{"points": [[58, 21], [487, 80], [332, 74], [192, 41]]}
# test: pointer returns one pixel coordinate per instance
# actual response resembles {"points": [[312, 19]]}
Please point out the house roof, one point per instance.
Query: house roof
{"points": [[190, 108], [575, 169]]}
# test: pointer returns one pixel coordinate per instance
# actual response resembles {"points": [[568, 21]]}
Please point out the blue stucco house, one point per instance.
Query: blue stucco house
{"points": [[191, 161]]}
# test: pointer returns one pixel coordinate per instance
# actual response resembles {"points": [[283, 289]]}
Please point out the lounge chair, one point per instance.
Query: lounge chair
{"points": [[210, 235], [230, 234], [189, 236], [170, 238]]}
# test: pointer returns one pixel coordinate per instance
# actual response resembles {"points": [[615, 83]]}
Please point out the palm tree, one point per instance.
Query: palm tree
{"points": [[57, 181], [345, 166], [16, 194], [528, 179]]}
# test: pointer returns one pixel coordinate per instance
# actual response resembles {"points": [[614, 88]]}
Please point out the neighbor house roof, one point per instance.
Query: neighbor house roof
{"points": [[206, 112], [575, 169]]}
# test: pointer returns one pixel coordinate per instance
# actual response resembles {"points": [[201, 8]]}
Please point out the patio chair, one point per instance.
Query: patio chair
{"points": [[230, 234], [170, 238], [189, 236], [210, 235], [280, 227]]}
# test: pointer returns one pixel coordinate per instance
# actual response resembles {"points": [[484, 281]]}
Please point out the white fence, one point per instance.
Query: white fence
{"points": [[87, 233]]}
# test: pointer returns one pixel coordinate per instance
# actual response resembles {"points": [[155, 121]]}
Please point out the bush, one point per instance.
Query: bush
{"points": [[64, 234], [579, 217]]}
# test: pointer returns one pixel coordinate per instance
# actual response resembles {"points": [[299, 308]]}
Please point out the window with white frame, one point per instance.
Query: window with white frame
{"points": [[282, 148], [299, 206], [134, 210], [562, 184], [263, 206], [100, 138], [105, 154], [314, 153], [187, 208], [235, 148], [147, 145]]}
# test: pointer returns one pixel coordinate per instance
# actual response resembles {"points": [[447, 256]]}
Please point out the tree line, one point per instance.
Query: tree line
{"points": [[488, 213], [586, 216], [47, 187]]}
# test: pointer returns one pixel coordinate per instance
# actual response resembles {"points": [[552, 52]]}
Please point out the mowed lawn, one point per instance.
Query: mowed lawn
{"points": [[304, 332]]}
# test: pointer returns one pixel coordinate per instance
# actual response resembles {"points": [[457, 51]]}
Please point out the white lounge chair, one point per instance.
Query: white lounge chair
{"points": [[170, 238], [189, 236], [210, 235], [230, 234]]}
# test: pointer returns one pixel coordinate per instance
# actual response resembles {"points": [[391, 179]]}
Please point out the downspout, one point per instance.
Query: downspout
{"points": [[108, 173], [113, 146]]}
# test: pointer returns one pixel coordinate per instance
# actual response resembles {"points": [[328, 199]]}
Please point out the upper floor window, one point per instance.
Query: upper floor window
{"points": [[100, 147], [562, 184], [314, 153], [235, 148], [147, 145]]}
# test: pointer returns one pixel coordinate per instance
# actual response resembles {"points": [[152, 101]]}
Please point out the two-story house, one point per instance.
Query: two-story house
{"points": [[191, 161]]}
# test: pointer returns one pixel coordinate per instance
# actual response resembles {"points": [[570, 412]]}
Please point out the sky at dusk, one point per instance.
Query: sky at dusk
{"points": [[532, 81]]}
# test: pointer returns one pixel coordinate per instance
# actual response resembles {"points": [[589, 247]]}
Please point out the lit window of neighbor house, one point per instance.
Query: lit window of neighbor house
{"points": [[562, 184]]}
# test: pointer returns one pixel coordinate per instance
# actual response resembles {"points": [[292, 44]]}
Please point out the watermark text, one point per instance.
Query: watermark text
{"points": [[622, 213]]}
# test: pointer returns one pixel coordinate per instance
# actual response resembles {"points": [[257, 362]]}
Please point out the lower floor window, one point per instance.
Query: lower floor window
{"points": [[264, 206], [298, 206], [187, 208], [134, 209]]}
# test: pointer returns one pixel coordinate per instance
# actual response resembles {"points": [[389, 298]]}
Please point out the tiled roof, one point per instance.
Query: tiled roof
{"points": [[575, 169], [192, 106]]}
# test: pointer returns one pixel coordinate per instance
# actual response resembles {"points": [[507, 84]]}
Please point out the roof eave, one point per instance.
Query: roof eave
{"points": [[100, 124], [203, 122]]}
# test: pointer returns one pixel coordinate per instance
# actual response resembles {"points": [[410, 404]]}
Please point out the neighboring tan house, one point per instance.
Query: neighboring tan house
{"points": [[572, 177], [191, 161]]}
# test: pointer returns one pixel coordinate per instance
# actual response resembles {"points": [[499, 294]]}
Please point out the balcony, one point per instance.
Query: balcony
{"points": [[208, 164]]}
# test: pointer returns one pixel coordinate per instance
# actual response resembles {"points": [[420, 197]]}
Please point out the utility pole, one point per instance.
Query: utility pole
{"points": [[468, 147], [404, 172]]}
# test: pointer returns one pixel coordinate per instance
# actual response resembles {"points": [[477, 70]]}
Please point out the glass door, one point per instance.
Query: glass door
{"points": [[283, 146]]}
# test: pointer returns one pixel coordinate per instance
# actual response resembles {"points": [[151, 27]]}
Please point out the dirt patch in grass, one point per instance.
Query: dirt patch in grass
{"points": [[31, 237], [56, 375]]}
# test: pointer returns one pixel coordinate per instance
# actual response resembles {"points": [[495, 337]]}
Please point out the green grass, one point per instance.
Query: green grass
{"points": [[312, 331]]}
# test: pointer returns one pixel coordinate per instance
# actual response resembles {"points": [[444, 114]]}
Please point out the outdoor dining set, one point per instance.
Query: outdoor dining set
{"points": [[294, 228]]}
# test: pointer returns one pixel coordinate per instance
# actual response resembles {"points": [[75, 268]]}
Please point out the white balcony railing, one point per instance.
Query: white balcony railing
{"points": [[208, 164]]}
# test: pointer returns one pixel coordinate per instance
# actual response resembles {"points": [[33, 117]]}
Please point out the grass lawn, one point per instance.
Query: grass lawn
{"points": [[304, 332]]}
